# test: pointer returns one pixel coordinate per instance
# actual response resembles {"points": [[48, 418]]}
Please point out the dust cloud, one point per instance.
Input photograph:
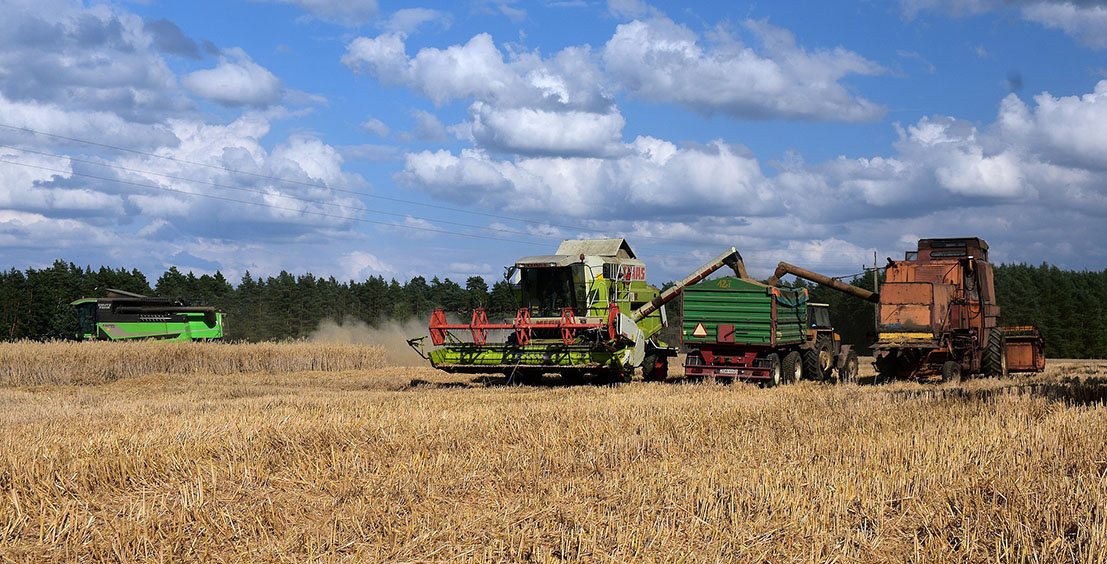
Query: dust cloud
{"points": [[391, 335]]}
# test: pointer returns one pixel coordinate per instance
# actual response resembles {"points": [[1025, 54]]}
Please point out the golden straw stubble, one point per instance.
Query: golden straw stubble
{"points": [[391, 464]]}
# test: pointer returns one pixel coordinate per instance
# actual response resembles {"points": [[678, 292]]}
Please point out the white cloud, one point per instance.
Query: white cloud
{"points": [[502, 7], [1088, 24], [427, 127], [1065, 130], [359, 265], [407, 20], [474, 69], [527, 105], [532, 131], [1084, 20], [37, 232], [1047, 156], [662, 61], [237, 81], [653, 178], [92, 59], [376, 126], [93, 125], [632, 9], [369, 152], [344, 12]]}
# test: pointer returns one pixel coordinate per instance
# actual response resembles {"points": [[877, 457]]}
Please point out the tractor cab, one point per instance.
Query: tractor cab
{"points": [[818, 316]]}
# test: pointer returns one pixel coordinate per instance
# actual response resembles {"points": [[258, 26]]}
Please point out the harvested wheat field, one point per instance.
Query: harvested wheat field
{"points": [[406, 464]]}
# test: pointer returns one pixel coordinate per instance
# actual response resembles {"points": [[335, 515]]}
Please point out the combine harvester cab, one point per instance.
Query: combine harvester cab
{"points": [[125, 315], [585, 310]]}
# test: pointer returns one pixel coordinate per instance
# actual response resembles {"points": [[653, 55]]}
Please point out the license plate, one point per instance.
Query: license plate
{"points": [[729, 371]]}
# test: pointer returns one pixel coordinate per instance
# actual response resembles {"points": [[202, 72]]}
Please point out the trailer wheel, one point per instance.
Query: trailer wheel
{"points": [[994, 360], [818, 361], [849, 371], [792, 369], [951, 372], [774, 370]]}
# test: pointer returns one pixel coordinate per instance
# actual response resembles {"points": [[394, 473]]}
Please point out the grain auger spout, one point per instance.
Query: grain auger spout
{"points": [[785, 268], [731, 258]]}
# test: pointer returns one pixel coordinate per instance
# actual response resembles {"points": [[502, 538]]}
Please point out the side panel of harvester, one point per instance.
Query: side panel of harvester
{"points": [[741, 328]]}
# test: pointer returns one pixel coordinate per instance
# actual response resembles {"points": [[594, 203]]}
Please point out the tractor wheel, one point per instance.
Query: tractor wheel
{"points": [[655, 368], [774, 370], [994, 358], [951, 372], [792, 368], [849, 371], [818, 362]]}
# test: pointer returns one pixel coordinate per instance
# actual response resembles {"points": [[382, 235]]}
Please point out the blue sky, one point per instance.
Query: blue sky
{"points": [[354, 139]]}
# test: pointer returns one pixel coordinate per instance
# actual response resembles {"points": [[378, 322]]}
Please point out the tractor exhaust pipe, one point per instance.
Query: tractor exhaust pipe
{"points": [[785, 268], [731, 258]]}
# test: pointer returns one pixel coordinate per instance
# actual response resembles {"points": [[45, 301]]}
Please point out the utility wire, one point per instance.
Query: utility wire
{"points": [[260, 204], [323, 186], [281, 194], [679, 242]]}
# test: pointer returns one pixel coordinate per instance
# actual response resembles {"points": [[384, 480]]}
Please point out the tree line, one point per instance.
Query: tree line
{"points": [[1068, 306]]}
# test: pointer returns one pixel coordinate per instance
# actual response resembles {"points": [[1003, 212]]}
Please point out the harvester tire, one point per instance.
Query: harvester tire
{"points": [[774, 370], [886, 367], [994, 358], [951, 372], [612, 377], [655, 368], [792, 368], [523, 377], [818, 362], [849, 371]]}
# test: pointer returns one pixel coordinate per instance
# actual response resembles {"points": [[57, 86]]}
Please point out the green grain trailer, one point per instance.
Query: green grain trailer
{"points": [[740, 328], [127, 316]]}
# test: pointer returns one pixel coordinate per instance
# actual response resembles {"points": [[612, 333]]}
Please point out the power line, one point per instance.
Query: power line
{"points": [[317, 185], [679, 242], [260, 204], [264, 193], [272, 206]]}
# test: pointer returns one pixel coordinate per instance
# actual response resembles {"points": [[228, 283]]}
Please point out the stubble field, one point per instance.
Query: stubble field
{"points": [[211, 454]]}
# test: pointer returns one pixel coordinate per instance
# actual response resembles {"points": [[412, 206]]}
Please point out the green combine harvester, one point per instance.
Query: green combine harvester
{"points": [[124, 316], [585, 310]]}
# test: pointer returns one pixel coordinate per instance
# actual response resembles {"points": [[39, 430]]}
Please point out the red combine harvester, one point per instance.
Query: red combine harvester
{"points": [[937, 314]]}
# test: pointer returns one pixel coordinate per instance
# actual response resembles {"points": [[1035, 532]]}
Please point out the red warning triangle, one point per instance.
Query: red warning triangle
{"points": [[699, 331]]}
